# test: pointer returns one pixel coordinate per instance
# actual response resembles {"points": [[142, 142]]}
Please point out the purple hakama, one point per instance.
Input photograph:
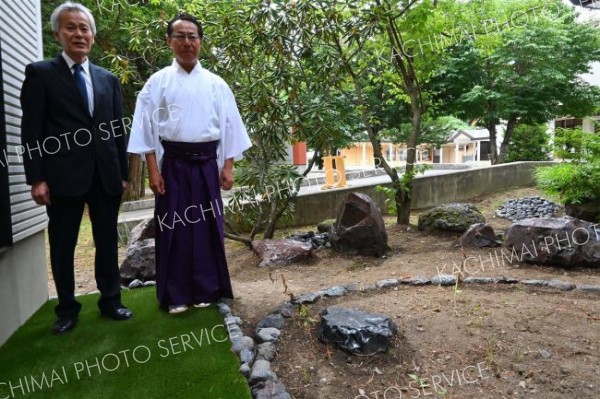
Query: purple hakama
{"points": [[191, 267]]}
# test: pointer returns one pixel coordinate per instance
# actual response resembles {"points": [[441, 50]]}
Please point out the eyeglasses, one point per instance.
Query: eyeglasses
{"points": [[180, 38]]}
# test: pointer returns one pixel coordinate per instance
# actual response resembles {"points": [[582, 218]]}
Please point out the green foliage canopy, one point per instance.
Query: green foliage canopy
{"points": [[527, 71]]}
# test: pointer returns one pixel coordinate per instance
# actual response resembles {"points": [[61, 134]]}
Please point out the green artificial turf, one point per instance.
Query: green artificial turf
{"points": [[154, 355]]}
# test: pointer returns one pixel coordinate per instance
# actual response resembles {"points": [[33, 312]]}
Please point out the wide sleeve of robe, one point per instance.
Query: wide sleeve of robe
{"points": [[144, 134], [234, 137]]}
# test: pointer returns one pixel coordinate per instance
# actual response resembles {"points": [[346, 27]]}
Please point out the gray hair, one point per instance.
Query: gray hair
{"points": [[69, 6]]}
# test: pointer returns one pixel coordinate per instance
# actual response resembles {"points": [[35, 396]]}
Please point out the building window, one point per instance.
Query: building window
{"points": [[568, 123]]}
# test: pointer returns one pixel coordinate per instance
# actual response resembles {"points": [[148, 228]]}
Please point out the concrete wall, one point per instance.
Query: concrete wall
{"points": [[24, 284], [428, 190]]}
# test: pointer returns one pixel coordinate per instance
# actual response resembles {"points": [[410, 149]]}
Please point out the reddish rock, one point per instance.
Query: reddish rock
{"points": [[478, 235], [281, 252]]}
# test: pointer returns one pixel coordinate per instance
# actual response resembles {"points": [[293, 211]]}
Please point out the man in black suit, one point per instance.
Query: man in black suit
{"points": [[74, 154]]}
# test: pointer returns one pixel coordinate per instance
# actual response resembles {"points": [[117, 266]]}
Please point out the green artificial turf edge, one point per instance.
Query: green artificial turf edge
{"points": [[153, 355]]}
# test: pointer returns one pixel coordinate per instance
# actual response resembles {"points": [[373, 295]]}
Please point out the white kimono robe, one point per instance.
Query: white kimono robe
{"points": [[194, 107]]}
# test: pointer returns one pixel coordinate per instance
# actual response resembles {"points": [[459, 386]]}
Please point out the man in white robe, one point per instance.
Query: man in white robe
{"points": [[188, 127]]}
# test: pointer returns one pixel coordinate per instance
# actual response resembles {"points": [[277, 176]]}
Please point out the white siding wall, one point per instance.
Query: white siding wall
{"points": [[21, 44], [23, 275]]}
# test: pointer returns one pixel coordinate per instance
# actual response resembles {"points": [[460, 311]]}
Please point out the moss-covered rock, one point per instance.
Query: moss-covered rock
{"points": [[450, 217], [326, 225]]}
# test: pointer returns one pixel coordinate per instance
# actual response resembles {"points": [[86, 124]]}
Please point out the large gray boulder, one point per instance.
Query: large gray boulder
{"points": [[281, 252], [588, 211], [355, 331], [359, 228], [139, 259], [142, 231], [453, 217], [139, 262], [566, 241]]}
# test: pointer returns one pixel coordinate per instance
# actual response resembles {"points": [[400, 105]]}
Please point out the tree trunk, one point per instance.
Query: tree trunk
{"points": [[136, 180], [403, 205], [404, 191], [491, 127], [405, 68], [510, 127], [273, 216]]}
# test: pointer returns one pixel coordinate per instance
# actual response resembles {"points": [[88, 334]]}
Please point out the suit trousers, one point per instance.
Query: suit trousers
{"points": [[65, 215]]}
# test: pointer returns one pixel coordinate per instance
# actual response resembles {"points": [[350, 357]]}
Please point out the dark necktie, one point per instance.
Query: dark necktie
{"points": [[79, 79]]}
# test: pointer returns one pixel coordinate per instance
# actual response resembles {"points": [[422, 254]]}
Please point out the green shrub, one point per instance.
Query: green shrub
{"points": [[529, 143], [390, 200], [577, 179]]}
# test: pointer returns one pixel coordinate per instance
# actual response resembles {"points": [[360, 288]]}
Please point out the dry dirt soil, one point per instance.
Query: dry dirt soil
{"points": [[473, 341]]}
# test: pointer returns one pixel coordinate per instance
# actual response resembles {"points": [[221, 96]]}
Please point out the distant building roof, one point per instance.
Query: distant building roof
{"points": [[470, 134]]}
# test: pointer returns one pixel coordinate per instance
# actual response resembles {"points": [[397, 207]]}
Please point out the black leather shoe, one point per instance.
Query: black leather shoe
{"points": [[118, 312], [64, 325]]}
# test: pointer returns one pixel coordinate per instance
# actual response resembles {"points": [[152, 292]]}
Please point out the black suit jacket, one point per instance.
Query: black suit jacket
{"points": [[62, 142]]}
